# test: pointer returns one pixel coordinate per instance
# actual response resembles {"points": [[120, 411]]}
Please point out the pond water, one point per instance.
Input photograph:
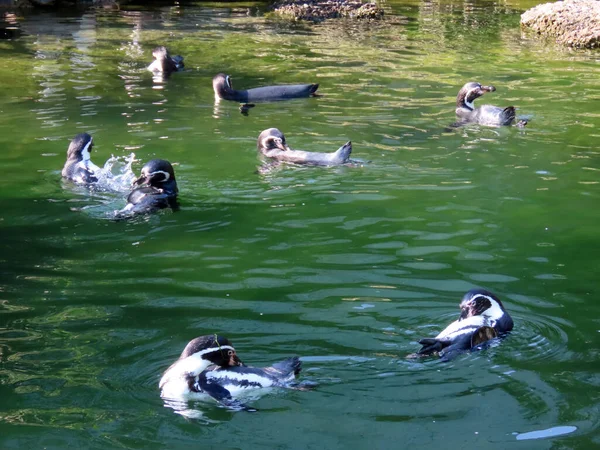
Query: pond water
{"points": [[347, 267]]}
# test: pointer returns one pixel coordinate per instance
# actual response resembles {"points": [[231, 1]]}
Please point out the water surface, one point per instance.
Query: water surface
{"points": [[347, 267]]}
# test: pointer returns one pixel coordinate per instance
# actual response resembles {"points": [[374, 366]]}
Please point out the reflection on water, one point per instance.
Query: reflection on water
{"points": [[345, 266]]}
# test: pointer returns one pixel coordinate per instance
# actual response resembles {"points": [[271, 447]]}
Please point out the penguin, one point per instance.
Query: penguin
{"points": [[482, 318], [485, 114], [79, 168], [224, 90], [158, 190], [210, 368], [164, 63], [272, 144]]}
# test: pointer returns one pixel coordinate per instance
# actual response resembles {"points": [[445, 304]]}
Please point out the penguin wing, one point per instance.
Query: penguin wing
{"points": [[87, 176], [146, 200], [431, 346], [459, 123], [220, 394]]}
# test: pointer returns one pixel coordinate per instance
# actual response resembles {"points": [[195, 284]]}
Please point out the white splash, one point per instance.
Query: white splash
{"points": [[116, 175]]}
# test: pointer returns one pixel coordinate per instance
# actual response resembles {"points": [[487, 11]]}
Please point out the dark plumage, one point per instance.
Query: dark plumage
{"points": [[272, 144], [158, 189], [224, 90]]}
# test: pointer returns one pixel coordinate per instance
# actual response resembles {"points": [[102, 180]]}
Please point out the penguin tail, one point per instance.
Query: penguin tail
{"points": [[313, 89]]}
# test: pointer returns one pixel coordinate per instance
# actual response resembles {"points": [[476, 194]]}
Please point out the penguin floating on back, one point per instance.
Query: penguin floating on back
{"points": [[272, 144], [482, 318]]}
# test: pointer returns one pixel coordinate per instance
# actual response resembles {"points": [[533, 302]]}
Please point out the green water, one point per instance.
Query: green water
{"points": [[347, 267]]}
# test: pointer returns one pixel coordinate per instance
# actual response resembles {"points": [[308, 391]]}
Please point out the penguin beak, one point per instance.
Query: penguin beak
{"points": [[488, 88], [280, 145], [141, 180], [235, 361]]}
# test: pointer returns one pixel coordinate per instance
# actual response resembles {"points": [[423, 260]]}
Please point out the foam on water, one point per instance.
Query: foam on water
{"points": [[116, 175]]}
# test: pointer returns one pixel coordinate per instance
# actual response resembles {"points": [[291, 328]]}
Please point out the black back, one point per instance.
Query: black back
{"points": [[224, 89], [159, 189]]}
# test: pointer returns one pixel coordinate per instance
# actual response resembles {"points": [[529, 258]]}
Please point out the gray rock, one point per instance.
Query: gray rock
{"points": [[575, 23]]}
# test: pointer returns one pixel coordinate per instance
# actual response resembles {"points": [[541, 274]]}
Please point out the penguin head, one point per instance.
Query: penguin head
{"points": [[80, 147], [212, 349], [222, 84], [160, 53], [479, 302], [156, 173], [470, 92], [271, 139]]}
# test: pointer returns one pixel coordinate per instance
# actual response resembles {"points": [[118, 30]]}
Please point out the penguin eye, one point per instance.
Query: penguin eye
{"points": [[230, 352]]}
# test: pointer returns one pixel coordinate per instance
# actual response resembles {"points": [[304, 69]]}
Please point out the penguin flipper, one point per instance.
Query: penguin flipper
{"points": [[245, 107], [459, 123], [431, 345], [222, 395]]}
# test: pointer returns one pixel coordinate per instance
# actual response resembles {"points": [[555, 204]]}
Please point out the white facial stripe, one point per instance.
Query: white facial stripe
{"points": [[212, 349], [166, 174], [196, 363], [494, 312], [85, 152], [228, 81], [467, 102]]}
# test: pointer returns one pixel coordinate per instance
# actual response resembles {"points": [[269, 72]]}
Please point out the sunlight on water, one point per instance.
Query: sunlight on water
{"points": [[347, 267]]}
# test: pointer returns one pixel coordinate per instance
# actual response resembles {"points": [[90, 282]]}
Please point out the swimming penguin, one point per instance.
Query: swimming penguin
{"points": [[482, 317], [158, 190], [485, 114], [79, 168], [209, 366], [165, 63], [271, 143], [224, 90]]}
